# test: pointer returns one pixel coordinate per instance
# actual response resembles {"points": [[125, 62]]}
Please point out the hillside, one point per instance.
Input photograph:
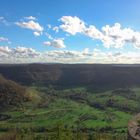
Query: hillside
{"points": [[87, 100], [95, 76], [11, 93]]}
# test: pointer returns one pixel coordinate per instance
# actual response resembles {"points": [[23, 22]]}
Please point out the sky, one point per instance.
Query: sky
{"points": [[69, 31]]}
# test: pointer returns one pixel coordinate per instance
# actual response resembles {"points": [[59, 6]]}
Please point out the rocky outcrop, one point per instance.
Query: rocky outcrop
{"points": [[134, 128]]}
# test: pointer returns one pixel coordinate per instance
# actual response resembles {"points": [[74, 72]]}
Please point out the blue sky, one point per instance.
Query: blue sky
{"points": [[75, 31]]}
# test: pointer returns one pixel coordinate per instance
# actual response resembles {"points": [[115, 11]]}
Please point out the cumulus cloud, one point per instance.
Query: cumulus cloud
{"points": [[20, 51], [24, 52], [111, 36], [93, 32], [72, 25], [57, 43], [36, 33], [56, 29], [4, 51], [30, 18], [116, 36], [32, 25], [14, 55], [86, 51], [30, 55]]}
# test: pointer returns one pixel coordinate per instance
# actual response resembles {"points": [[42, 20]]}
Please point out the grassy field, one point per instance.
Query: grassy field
{"points": [[72, 111]]}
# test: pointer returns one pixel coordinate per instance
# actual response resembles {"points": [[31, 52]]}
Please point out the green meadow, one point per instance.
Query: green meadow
{"points": [[71, 112]]}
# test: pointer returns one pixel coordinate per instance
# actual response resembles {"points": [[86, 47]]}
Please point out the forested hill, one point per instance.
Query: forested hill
{"points": [[11, 93], [92, 75]]}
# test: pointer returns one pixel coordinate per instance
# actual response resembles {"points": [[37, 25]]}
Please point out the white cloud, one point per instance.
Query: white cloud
{"points": [[36, 33], [32, 25], [86, 51], [56, 29], [93, 32], [4, 49], [111, 36], [117, 37], [24, 52], [30, 55], [19, 52], [49, 36], [49, 26], [30, 18], [3, 39], [72, 25], [57, 43]]}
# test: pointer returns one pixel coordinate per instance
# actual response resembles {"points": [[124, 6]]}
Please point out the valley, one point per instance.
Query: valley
{"points": [[75, 112]]}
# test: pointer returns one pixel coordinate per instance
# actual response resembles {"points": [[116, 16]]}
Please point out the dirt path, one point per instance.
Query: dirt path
{"points": [[46, 112]]}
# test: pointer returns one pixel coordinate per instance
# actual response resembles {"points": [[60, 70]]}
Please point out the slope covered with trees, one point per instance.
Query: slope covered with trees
{"points": [[11, 93], [66, 75]]}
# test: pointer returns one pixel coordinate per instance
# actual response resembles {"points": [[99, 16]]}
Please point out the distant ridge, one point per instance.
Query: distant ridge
{"points": [[63, 75]]}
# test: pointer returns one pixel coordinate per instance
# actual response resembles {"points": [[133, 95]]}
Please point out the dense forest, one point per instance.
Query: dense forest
{"points": [[66, 75]]}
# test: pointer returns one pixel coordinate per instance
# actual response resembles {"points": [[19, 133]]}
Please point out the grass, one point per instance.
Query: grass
{"points": [[72, 112]]}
